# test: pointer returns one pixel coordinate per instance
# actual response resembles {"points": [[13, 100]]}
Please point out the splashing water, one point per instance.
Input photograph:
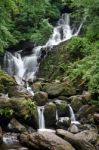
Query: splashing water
{"points": [[25, 68]]}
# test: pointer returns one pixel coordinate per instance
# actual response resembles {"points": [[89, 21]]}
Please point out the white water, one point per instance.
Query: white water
{"points": [[41, 119], [73, 118], [25, 68]]}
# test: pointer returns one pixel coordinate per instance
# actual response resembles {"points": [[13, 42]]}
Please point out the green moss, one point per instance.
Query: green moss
{"points": [[6, 112], [5, 81]]}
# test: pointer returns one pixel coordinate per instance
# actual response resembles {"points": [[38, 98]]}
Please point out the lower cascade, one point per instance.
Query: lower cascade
{"points": [[41, 119]]}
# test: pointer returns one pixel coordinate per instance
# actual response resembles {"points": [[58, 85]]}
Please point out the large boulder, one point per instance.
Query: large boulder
{"points": [[41, 98], [19, 91], [55, 89], [6, 82], [16, 126], [76, 102], [37, 86], [96, 118], [85, 110], [62, 108], [50, 115], [76, 141], [24, 109], [63, 122], [45, 141], [88, 135]]}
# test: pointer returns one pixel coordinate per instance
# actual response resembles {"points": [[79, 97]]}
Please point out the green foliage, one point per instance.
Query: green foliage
{"points": [[6, 112], [31, 108], [78, 47]]}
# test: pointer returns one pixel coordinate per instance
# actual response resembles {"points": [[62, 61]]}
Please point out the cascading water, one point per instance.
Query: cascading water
{"points": [[25, 68], [72, 114], [41, 119], [73, 118]]}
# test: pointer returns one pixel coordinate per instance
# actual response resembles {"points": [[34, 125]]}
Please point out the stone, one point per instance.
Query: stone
{"points": [[88, 135], [86, 97], [73, 128], [6, 82], [37, 87], [96, 118], [57, 89], [50, 115], [85, 110], [45, 141], [62, 108], [19, 91], [77, 142], [63, 122], [24, 109], [41, 98], [16, 126], [76, 102]]}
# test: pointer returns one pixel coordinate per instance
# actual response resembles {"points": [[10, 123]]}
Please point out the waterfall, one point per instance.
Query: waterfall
{"points": [[24, 68], [73, 118], [41, 119], [57, 115], [72, 114]]}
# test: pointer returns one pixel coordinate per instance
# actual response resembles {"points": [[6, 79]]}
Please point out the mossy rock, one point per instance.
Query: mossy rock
{"points": [[6, 82], [57, 89], [50, 115]]}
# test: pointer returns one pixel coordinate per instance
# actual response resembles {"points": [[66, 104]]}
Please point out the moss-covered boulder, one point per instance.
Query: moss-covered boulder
{"points": [[37, 86], [21, 108], [62, 108], [6, 82], [63, 122], [55, 89], [50, 115], [41, 98]]}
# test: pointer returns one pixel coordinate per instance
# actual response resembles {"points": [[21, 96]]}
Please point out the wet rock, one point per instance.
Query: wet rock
{"points": [[41, 98], [37, 86], [76, 102], [96, 118], [50, 115], [86, 97], [6, 82], [76, 141], [62, 108], [85, 110], [22, 148], [73, 128], [64, 122], [24, 109], [55, 89], [19, 91], [16, 126], [45, 141], [88, 135]]}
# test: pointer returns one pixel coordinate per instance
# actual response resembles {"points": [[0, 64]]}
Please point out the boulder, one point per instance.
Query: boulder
{"points": [[73, 128], [50, 115], [16, 126], [55, 89], [85, 110], [41, 98], [19, 91], [96, 118], [64, 122], [24, 109], [37, 86], [78, 143], [45, 141], [86, 97], [62, 108], [6, 82], [76, 102], [88, 135]]}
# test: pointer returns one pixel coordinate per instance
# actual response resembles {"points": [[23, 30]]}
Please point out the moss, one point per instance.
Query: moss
{"points": [[5, 81]]}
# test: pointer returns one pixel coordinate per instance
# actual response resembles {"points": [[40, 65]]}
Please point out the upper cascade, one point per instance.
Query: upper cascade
{"points": [[24, 68]]}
